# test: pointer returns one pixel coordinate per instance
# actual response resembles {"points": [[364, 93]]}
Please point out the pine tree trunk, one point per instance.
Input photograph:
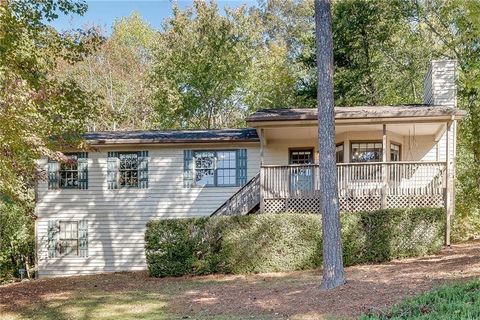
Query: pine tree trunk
{"points": [[333, 273]]}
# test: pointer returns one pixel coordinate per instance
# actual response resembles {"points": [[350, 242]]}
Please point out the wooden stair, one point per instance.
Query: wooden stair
{"points": [[244, 201]]}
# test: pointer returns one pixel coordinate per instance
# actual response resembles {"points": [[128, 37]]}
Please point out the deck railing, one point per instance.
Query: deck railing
{"points": [[361, 186], [243, 201]]}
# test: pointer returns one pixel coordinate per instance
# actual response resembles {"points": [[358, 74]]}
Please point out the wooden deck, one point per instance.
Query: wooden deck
{"points": [[361, 186]]}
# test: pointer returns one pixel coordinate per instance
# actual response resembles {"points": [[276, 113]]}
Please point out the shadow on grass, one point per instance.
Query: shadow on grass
{"points": [[97, 305], [293, 295]]}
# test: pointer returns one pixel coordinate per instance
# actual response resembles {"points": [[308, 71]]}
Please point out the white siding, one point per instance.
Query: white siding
{"points": [[440, 83], [117, 218]]}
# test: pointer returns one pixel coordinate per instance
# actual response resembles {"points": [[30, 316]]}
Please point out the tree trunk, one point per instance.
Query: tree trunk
{"points": [[333, 273]]}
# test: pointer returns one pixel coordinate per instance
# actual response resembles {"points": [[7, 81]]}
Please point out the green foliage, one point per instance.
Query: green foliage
{"points": [[17, 242], [118, 73], [200, 63], [458, 301], [34, 104], [286, 242], [378, 58], [381, 52], [210, 69]]}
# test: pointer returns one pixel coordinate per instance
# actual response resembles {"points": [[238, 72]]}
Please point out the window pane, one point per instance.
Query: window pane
{"points": [[339, 153], [68, 172], [68, 238], [204, 168], [367, 152], [128, 169], [226, 172], [301, 157], [394, 152], [226, 177]]}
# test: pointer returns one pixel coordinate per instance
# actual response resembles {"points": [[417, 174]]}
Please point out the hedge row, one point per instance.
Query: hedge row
{"points": [[286, 242]]}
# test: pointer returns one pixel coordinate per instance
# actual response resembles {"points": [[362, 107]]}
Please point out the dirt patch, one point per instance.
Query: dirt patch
{"points": [[293, 295]]}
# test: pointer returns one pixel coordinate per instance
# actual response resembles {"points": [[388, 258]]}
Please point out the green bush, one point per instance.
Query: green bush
{"points": [[286, 242], [17, 243], [459, 301]]}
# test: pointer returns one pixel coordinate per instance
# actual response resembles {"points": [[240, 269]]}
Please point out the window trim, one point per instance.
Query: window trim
{"points": [[59, 175], [293, 149], [391, 142], [343, 150], [363, 141], [399, 145], [68, 256], [215, 172], [119, 171]]}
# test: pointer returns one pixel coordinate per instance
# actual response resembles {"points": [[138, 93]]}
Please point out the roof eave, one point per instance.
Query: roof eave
{"points": [[352, 121], [111, 142], [358, 117]]}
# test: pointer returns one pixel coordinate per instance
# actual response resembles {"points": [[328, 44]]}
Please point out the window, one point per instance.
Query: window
{"points": [[68, 172], [226, 168], [215, 168], [204, 166], [339, 153], [128, 169], [304, 156], [68, 238], [367, 152], [394, 152]]}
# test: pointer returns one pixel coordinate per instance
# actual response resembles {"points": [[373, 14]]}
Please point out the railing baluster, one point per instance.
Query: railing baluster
{"points": [[404, 179]]}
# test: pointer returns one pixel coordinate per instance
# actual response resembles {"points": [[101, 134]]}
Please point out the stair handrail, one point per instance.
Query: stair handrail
{"points": [[254, 181]]}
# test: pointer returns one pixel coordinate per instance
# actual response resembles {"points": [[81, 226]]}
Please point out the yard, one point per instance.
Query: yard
{"points": [[293, 295]]}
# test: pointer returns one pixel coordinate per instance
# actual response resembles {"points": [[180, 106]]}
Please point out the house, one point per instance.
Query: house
{"points": [[92, 210]]}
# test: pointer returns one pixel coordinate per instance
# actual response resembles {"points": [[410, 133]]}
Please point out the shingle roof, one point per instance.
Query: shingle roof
{"points": [[357, 112], [174, 136]]}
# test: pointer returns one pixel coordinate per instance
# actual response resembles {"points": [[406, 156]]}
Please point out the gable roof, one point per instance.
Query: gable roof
{"points": [[173, 136], [402, 111]]}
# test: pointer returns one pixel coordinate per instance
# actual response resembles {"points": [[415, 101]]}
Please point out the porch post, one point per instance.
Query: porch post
{"points": [[262, 134], [262, 182], [384, 168], [450, 182]]}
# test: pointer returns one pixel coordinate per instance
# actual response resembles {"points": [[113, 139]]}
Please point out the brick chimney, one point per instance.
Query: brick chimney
{"points": [[440, 88]]}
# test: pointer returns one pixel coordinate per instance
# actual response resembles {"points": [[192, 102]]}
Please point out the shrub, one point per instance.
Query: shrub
{"points": [[286, 242], [458, 301], [17, 242]]}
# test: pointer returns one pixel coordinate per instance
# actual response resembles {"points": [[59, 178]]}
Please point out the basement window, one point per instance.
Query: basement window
{"points": [[68, 238]]}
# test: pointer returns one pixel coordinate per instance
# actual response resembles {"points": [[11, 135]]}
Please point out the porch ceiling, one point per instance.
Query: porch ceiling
{"points": [[310, 132]]}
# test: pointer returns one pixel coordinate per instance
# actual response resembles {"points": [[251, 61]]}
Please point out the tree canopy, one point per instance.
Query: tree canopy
{"points": [[35, 105], [209, 68]]}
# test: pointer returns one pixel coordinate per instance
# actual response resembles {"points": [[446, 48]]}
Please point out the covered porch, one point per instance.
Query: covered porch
{"points": [[391, 164], [387, 157]]}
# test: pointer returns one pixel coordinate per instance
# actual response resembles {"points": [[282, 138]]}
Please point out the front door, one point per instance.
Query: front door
{"points": [[301, 175]]}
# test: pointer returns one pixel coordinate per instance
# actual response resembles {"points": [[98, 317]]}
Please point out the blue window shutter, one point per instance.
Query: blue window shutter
{"points": [[187, 168], [53, 167], [112, 170], [53, 228], [143, 169], [83, 238], [241, 167], [82, 165]]}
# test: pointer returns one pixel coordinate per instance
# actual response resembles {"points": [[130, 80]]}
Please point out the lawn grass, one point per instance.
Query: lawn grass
{"points": [[272, 296], [459, 301]]}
